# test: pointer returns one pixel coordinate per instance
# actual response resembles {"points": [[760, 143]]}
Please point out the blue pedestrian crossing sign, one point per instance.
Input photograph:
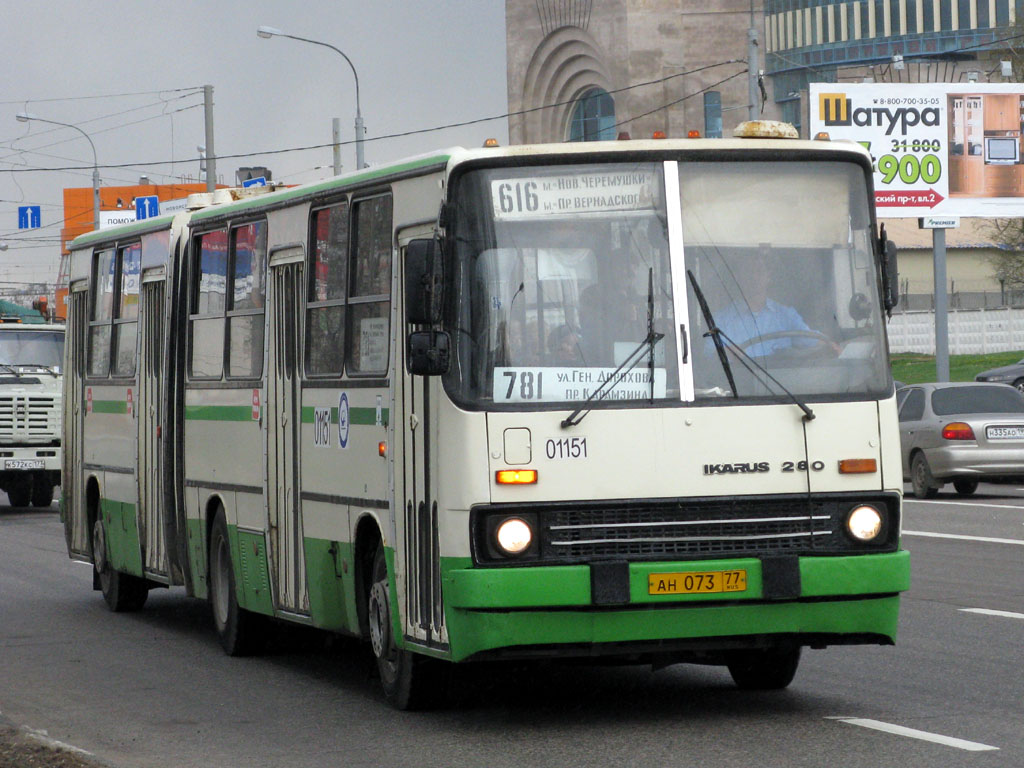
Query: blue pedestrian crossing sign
{"points": [[256, 181], [28, 217], [147, 207]]}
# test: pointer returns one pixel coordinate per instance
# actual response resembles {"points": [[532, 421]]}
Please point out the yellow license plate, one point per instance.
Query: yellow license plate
{"points": [[696, 582]]}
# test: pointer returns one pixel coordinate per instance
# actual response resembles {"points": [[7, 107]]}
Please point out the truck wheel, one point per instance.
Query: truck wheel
{"points": [[121, 591], [42, 492], [767, 670], [410, 680], [20, 494]]}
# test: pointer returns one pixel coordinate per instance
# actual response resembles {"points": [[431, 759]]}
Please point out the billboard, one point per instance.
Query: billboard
{"points": [[939, 149]]}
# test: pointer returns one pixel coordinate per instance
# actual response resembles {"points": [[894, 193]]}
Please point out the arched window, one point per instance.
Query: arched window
{"points": [[593, 117]]}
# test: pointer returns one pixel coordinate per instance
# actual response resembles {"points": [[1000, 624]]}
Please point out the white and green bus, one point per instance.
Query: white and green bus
{"points": [[625, 399]]}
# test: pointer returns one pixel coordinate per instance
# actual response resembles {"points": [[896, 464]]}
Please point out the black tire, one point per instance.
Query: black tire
{"points": [[122, 592], [767, 670], [1019, 384], [42, 492], [410, 680], [921, 478], [241, 632], [965, 487], [20, 494]]}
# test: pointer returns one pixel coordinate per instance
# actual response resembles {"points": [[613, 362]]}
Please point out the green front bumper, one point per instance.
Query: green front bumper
{"points": [[508, 608]]}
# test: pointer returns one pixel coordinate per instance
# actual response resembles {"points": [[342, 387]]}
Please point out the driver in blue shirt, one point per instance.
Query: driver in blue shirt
{"points": [[753, 314]]}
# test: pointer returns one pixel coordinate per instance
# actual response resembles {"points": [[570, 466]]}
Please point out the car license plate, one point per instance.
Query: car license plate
{"points": [[696, 582], [1005, 433], [23, 463]]}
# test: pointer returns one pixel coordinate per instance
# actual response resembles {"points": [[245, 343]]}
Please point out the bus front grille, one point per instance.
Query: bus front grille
{"points": [[691, 528]]}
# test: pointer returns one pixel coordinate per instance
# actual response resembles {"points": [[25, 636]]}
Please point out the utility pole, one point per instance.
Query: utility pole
{"points": [[336, 139], [753, 68], [211, 156]]}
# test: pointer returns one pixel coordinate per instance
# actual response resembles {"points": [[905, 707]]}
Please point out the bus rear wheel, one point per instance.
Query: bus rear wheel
{"points": [[121, 591], [764, 670], [240, 632], [409, 680]]}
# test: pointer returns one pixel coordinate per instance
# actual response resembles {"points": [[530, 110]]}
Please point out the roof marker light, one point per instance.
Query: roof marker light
{"points": [[693, 134]]}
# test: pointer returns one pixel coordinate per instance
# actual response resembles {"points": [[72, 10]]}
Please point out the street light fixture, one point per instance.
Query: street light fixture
{"points": [[24, 117], [268, 32]]}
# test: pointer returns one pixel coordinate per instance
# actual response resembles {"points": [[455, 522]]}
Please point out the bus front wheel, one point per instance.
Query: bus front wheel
{"points": [[764, 670], [410, 681], [121, 591]]}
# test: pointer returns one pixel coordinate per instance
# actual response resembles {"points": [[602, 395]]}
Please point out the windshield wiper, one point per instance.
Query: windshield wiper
{"points": [[717, 334], [631, 361], [10, 369], [713, 331]]}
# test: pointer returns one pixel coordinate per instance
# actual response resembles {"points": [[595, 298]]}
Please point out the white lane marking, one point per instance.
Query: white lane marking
{"points": [[990, 612], [986, 539], [963, 503], [42, 738], [913, 733]]}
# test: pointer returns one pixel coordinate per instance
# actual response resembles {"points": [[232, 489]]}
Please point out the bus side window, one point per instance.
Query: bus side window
{"points": [[325, 299], [210, 254], [246, 297], [126, 318], [101, 311], [370, 295]]}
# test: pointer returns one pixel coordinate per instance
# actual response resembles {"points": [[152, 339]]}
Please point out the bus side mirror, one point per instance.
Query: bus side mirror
{"points": [[890, 276], [427, 353], [422, 282]]}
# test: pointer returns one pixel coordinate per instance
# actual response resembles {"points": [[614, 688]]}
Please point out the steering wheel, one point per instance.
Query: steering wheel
{"points": [[824, 344]]}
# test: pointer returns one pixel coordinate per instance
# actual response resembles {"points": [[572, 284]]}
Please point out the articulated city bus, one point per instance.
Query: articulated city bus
{"points": [[626, 399]]}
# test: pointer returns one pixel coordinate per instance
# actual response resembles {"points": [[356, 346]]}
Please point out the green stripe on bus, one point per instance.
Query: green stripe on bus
{"points": [[219, 413], [109, 406], [360, 416]]}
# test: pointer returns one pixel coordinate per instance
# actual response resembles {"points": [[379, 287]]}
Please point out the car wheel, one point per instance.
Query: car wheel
{"points": [[921, 478], [965, 487], [768, 670], [1019, 384]]}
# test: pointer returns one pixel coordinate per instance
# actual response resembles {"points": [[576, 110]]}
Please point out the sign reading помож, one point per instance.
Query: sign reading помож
{"points": [[939, 149]]}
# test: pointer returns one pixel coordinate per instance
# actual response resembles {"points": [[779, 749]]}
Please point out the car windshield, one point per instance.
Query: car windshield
{"points": [[32, 348], [967, 400], [567, 276]]}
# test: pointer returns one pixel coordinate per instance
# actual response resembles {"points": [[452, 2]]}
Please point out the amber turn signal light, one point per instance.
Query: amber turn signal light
{"points": [[857, 466], [516, 476]]}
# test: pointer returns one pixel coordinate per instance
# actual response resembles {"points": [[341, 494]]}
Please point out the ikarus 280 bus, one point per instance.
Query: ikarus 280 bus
{"points": [[626, 399]]}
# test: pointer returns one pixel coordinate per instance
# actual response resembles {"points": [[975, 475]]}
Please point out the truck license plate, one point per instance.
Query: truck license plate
{"points": [[23, 463]]}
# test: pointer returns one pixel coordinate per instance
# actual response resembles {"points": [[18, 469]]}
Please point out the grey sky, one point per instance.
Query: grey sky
{"points": [[420, 65]]}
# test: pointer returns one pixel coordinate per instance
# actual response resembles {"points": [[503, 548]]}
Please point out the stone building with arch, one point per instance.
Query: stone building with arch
{"points": [[592, 69]]}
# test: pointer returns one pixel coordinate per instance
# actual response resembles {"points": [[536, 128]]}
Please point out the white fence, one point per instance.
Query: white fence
{"points": [[971, 331]]}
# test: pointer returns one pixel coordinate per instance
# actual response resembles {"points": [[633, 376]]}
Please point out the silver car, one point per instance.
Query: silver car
{"points": [[960, 432]]}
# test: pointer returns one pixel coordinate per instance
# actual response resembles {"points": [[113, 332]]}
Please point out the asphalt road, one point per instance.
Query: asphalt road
{"points": [[154, 689]]}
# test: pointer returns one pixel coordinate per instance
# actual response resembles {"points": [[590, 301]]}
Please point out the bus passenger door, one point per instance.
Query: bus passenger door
{"points": [[76, 522], [150, 464], [423, 601], [283, 425]]}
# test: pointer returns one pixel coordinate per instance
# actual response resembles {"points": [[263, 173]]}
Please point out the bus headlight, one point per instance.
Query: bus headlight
{"points": [[864, 523], [513, 536]]}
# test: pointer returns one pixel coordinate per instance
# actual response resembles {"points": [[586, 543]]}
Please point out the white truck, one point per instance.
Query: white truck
{"points": [[31, 373]]}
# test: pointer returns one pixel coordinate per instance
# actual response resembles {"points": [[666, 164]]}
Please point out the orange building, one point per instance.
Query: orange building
{"points": [[78, 216]]}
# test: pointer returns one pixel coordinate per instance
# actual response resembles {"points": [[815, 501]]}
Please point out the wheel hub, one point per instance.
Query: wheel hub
{"points": [[99, 547], [380, 623]]}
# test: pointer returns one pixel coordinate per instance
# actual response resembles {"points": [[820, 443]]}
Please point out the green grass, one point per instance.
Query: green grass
{"points": [[911, 368]]}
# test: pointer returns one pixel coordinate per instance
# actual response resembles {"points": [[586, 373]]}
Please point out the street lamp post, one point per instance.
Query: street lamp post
{"points": [[268, 32], [24, 117]]}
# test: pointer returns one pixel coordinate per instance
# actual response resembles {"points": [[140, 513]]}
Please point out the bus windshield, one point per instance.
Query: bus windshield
{"points": [[567, 276]]}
